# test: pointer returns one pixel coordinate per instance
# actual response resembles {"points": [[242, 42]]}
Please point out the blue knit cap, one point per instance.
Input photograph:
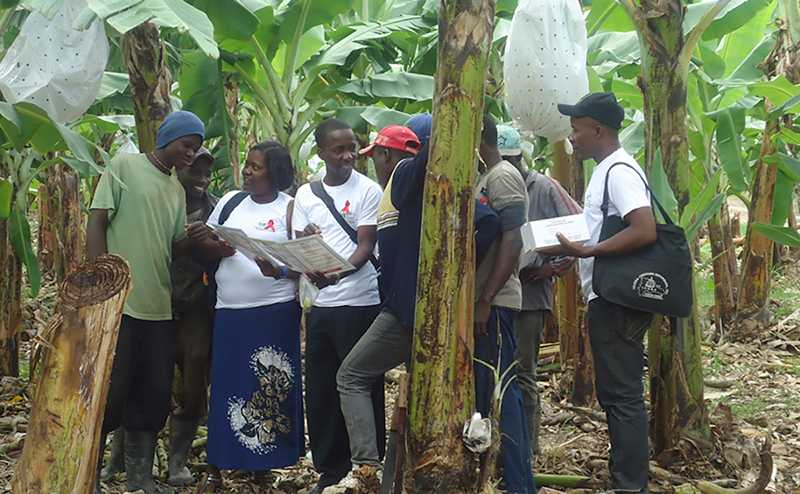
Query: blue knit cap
{"points": [[179, 124], [421, 125]]}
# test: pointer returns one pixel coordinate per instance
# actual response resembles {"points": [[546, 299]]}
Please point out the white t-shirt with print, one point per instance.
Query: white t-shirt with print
{"points": [[357, 200], [626, 192], [240, 284]]}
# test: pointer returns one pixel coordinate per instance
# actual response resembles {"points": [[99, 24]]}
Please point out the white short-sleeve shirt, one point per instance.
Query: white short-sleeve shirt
{"points": [[626, 192], [357, 201], [240, 284]]}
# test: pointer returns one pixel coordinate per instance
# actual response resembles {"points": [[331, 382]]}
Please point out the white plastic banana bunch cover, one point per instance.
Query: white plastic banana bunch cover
{"points": [[55, 65], [545, 64]]}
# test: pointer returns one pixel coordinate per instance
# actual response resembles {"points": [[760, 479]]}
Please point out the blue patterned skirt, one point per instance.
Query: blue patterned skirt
{"points": [[255, 420]]}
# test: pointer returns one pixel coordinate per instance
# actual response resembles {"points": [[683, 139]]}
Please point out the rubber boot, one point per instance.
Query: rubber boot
{"points": [[181, 435], [140, 447], [99, 464], [116, 463]]}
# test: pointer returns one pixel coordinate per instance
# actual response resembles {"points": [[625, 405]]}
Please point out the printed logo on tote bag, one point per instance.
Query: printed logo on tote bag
{"points": [[651, 285]]}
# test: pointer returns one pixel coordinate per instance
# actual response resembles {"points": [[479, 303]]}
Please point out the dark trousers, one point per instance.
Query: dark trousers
{"points": [[193, 335], [331, 332], [498, 344], [141, 376], [616, 334]]}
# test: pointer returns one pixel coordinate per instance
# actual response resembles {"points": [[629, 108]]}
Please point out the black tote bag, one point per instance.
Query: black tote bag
{"points": [[656, 278]]}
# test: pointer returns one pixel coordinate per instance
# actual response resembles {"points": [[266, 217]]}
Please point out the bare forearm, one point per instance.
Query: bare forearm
{"points": [[507, 261], [360, 256], [367, 237], [209, 251], [182, 248], [96, 234], [624, 242]]}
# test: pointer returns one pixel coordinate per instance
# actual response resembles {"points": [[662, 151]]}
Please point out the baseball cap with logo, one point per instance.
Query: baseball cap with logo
{"points": [[602, 107], [394, 137], [508, 141]]}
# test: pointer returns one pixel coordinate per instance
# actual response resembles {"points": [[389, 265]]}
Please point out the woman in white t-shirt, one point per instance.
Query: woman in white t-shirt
{"points": [[255, 419]]}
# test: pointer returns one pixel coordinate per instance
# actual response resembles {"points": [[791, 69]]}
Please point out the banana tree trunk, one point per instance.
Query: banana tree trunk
{"points": [[145, 59], [10, 304], [231, 89], [61, 221], [754, 282], [724, 301], [61, 447], [676, 377], [570, 307], [442, 383], [729, 234]]}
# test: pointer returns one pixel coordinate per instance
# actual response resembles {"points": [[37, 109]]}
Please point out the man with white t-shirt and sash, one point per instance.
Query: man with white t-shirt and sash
{"points": [[615, 332], [346, 306]]}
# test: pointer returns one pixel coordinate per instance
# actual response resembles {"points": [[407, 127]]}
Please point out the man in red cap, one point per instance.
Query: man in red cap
{"points": [[393, 144]]}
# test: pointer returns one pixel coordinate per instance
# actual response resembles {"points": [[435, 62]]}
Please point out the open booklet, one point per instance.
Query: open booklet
{"points": [[304, 255]]}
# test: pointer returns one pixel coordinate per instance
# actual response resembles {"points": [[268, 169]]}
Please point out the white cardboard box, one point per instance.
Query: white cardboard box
{"points": [[542, 233]]}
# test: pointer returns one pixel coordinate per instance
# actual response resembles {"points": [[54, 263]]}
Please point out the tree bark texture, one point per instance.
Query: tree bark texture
{"points": [[729, 235], [724, 301], [232, 107], [676, 377], [570, 308], [61, 221], [145, 59], [442, 382], [10, 304], [757, 253], [62, 444], [754, 283]]}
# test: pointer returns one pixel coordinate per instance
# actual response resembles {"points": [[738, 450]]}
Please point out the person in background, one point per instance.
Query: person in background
{"points": [[615, 332], [145, 223], [346, 305], [192, 310], [546, 199], [255, 420], [509, 143], [498, 295]]}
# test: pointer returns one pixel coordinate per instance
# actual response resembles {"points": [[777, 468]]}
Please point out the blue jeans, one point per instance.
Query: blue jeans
{"points": [[498, 344]]}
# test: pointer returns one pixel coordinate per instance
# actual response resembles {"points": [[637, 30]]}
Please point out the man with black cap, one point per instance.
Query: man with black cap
{"points": [[615, 332], [144, 222]]}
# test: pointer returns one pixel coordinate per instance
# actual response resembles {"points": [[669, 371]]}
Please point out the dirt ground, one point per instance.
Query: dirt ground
{"points": [[752, 391]]}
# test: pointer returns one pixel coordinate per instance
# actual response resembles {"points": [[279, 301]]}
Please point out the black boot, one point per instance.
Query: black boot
{"points": [[140, 447], [116, 463], [99, 464], [181, 435]]}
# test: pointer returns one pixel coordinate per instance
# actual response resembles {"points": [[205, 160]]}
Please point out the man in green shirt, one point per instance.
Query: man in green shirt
{"points": [[144, 221]]}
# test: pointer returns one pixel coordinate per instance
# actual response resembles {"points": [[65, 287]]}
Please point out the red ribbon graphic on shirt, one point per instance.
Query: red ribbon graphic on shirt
{"points": [[270, 225], [346, 208]]}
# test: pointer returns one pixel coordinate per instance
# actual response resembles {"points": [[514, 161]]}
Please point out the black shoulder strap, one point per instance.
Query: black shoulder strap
{"points": [[653, 198], [229, 206], [319, 191]]}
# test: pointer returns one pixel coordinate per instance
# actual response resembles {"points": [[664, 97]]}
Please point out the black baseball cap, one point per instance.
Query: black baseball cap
{"points": [[602, 107]]}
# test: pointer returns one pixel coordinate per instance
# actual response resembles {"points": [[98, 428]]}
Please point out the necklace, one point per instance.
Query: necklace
{"points": [[160, 164]]}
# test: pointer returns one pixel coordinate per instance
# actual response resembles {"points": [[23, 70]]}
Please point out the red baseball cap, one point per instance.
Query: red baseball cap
{"points": [[394, 137]]}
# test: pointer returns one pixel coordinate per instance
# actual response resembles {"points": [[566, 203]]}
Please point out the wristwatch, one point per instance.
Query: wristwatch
{"points": [[283, 273]]}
